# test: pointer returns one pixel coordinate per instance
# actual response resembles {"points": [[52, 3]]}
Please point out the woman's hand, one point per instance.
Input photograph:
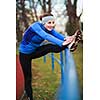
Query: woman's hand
{"points": [[68, 40]]}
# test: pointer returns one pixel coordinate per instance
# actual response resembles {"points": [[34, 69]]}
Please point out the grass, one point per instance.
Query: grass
{"points": [[78, 57], [46, 82]]}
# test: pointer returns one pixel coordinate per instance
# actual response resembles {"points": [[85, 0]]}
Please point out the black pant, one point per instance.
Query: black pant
{"points": [[25, 60]]}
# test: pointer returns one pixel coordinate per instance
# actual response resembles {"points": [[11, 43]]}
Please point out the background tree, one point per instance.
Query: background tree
{"points": [[27, 13], [46, 5], [24, 17], [73, 20]]}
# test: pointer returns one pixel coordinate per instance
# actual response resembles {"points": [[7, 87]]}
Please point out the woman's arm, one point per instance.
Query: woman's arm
{"points": [[38, 30], [58, 35]]}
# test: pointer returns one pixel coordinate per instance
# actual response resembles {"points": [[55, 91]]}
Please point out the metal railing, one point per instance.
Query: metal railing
{"points": [[69, 87]]}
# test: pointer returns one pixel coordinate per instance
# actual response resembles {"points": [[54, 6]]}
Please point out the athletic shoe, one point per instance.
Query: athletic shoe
{"points": [[78, 37]]}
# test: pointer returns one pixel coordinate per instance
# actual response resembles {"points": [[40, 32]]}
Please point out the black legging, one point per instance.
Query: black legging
{"points": [[25, 60]]}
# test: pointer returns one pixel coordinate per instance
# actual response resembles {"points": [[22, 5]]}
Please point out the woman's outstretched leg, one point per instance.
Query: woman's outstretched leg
{"points": [[45, 49]]}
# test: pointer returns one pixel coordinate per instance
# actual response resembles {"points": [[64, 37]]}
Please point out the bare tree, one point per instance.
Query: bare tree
{"points": [[49, 6], [46, 5], [24, 17], [73, 21]]}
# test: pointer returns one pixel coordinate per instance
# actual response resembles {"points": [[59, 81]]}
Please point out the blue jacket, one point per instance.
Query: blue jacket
{"points": [[35, 35]]}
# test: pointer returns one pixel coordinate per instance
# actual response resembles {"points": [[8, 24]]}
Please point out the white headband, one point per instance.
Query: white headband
{"points": [[47, 18]]}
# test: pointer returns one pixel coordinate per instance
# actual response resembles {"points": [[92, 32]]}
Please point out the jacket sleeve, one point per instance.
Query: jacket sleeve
{"points": [[58, 35], [38, 30]]}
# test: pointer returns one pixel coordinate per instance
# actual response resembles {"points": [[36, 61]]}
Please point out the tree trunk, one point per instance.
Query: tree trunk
{"points": [[44, 5], [24, 18], [49, 6], [73, 20]]}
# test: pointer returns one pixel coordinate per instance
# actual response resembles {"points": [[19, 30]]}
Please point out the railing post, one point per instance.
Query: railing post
{"points": [[52, 60], [72, 84], [62, 67], [69, 90], [44, 59]]}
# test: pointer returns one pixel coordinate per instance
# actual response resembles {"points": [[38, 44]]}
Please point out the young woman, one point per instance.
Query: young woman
{"points": [[31, 45]]}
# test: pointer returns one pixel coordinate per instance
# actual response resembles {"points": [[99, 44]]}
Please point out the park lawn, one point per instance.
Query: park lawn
{"points": [[45, 81], [78, 57]]}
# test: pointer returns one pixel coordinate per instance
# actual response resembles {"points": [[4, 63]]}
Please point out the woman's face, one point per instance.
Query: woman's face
{"points": [[49, 25]]}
